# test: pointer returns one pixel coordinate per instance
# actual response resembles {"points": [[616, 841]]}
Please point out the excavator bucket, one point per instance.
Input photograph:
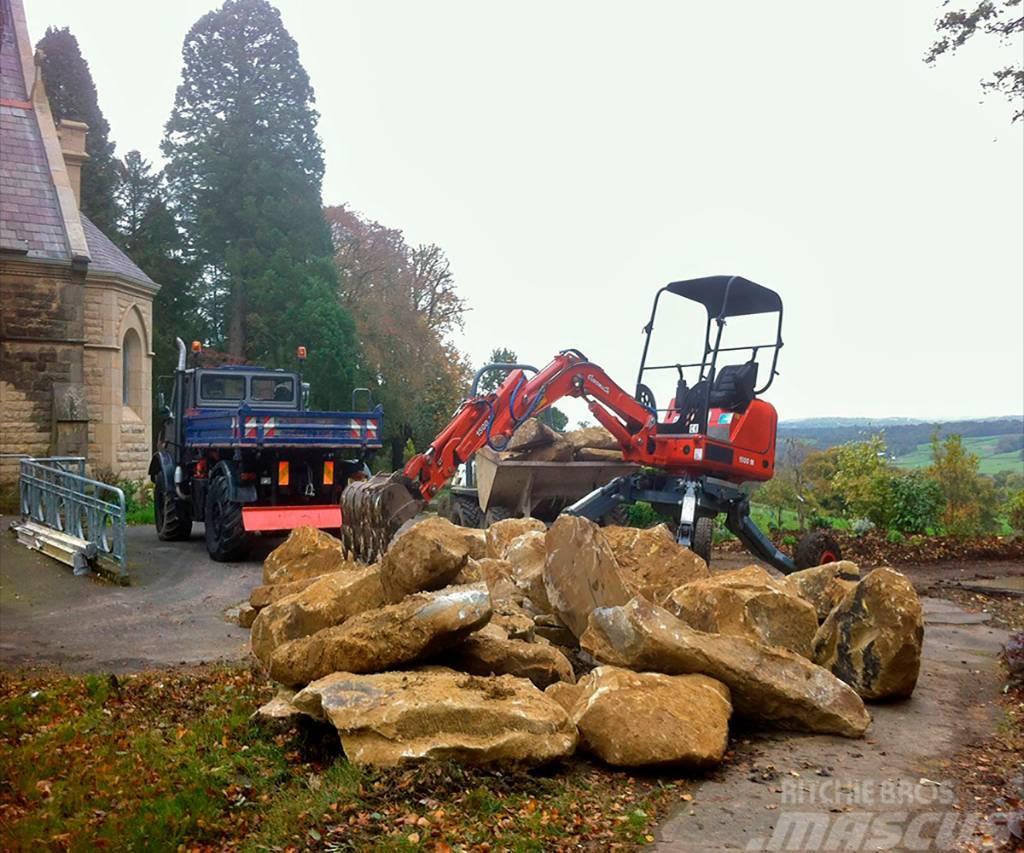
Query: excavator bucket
{"points": [[373, 510]]}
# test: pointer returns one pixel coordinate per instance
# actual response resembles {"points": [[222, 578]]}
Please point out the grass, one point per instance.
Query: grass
{"points": [[989, 462], [170, 760], [141, 514]]}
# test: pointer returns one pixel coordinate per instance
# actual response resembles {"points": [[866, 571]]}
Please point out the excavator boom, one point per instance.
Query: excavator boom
{"points": [[374, 509]]}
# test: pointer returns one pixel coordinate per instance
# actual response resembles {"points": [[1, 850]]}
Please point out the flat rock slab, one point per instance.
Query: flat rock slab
{"points": [[439, 715], [419, 626], [756, 803]]}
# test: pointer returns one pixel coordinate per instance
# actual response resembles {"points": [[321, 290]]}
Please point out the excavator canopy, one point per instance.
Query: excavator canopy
{"points": [[727, 295]]}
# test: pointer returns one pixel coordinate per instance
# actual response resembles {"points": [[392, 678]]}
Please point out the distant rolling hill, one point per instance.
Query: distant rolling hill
{"points": [[999, 442]]}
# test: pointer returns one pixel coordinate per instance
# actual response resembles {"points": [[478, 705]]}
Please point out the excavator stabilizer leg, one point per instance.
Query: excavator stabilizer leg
{"points": [[373, 510]]}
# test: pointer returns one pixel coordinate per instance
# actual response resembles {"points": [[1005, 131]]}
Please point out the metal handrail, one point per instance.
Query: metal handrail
{"points": [[55, 492]]}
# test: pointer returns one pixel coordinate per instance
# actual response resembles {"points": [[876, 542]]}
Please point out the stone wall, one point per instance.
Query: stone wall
{"points": [[60, 329], [120, 435], [41, 343]]}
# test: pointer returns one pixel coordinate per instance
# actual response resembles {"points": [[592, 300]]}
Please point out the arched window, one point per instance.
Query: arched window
{"points": [[131, 370]]}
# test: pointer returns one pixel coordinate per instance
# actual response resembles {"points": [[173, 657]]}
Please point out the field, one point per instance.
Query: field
{"points": [[989, 462]]}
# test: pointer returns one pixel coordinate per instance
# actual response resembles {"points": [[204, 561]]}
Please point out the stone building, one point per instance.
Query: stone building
{"points": [[76, 314]]}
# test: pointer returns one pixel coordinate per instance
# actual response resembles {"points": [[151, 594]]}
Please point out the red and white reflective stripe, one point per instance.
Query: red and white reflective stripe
{"points": [[250, 427], [269, 427]]}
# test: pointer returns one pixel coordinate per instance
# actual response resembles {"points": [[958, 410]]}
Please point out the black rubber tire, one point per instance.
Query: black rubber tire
{"points": [[466, 512], [815, 549], [226, 539], [703, 533], [171, 515], [618, 517], [497, 513]]}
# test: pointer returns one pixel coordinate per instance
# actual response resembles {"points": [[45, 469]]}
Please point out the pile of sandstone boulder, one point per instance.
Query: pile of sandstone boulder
{"points": [[518, 644]]}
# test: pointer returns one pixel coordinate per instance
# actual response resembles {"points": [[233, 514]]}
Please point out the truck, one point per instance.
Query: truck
{"points": [[239, 450]]}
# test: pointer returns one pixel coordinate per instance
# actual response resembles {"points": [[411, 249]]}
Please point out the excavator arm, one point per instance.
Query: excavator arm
{"points": [[373, 510]]}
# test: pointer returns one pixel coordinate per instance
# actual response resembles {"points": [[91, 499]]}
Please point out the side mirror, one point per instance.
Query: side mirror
{"points": [[161, 401]]}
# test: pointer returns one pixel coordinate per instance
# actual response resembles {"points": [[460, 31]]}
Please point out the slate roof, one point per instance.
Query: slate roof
{"points": [[31, 221], [30, 217], [107, 258]]}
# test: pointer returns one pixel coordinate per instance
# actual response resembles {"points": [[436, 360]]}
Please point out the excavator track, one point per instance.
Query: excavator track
{"points": [[373, 510]]}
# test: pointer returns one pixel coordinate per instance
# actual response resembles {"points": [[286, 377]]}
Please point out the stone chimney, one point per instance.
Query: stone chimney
{"points": [[72, 145]]}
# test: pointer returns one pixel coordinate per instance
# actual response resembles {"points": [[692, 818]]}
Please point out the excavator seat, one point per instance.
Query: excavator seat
{"points": [[734, 387]]}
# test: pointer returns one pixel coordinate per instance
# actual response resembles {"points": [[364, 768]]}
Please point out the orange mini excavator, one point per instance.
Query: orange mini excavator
{"points": [[713, 436]]}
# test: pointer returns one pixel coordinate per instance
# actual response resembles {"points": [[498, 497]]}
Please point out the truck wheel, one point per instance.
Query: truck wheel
{"points": [[703, 533], [496, 514], [225, 535], [466, 512], [816, 549], [171, 515]]}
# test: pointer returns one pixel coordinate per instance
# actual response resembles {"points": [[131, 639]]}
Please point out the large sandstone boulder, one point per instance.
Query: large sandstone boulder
{"points": [[651, 562], [502, 534], [644, 719], [267, 594], [420, 626], [595, 454], [595, 437], [767, 683], [512, 620], [439, 715], [580, 572], [558, 450], [527, 554], [425, 556], [872, 639], [486, 654], [324, 603], [823, 586], [497, 574], [476, 542], [306, 553], [532, 434], [747, 603]]}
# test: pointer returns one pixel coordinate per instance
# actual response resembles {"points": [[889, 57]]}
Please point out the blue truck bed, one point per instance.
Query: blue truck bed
{"points": [[252, 427]]}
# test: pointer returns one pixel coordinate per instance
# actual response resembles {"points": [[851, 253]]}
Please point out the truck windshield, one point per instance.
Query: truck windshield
{"points": [[217, 386], [279, 389]]}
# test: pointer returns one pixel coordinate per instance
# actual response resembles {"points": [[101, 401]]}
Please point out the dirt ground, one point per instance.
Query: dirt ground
{"points": [[780, 791]]}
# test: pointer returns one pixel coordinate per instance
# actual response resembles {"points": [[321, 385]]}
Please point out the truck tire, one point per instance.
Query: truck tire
{"points": [[466, 512], [703, 533], [816, 549], [226, 539], [496, 514], [171, 515]]}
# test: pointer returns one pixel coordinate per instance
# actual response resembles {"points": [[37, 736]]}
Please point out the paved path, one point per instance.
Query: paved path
{"points": [[171, 613], [811, 792]]}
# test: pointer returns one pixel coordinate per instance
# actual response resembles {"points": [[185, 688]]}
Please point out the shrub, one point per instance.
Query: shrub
{"points": [[642, 514], [909, 502]]}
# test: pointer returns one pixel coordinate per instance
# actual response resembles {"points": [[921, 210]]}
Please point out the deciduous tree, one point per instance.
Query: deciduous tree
{"points": [[405, 304], [999, 19]]}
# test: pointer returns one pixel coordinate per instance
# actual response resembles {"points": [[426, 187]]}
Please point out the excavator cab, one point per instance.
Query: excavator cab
{"points": [[718, 389]]}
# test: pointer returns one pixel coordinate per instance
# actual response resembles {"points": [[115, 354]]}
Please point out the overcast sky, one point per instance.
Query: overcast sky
{"points": [[572, 157]]}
